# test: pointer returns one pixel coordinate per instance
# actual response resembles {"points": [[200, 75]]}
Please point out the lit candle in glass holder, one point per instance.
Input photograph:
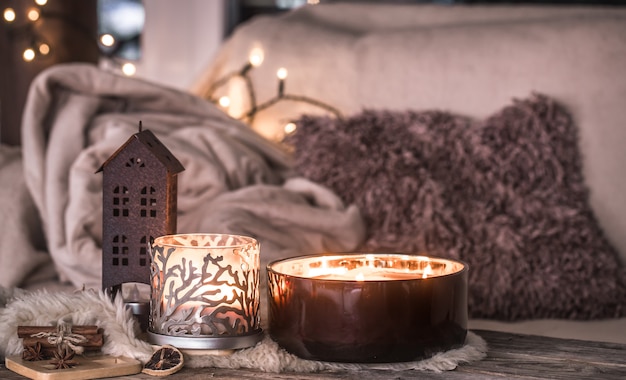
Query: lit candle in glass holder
{"points": [[205, 291], [367, 307]]}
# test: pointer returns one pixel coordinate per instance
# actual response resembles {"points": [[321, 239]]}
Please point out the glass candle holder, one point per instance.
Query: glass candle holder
{"points": [[205, 291], [367, 308]]}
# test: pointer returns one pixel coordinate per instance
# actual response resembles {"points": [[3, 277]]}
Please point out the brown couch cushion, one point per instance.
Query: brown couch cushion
{"points": [[505, 194]]}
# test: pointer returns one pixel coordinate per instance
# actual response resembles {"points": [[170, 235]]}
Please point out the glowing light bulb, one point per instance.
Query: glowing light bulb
{"points": [[281, 73], [129, 69], [9, 15], [224, 101], [41, 2], [107, 40], [256, 56], [28, 55], [290, 128], [33, 14], [44, 49]]}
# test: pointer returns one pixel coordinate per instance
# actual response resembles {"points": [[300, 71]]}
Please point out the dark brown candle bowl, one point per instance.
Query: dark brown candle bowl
{"points": [[367, 308]]}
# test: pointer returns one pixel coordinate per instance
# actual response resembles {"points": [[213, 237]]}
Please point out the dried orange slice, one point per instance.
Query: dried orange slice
{"points": [[164, 361]]}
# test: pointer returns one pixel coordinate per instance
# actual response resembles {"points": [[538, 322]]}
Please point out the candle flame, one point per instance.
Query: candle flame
{"points": [[326, 271], [427, 271]]}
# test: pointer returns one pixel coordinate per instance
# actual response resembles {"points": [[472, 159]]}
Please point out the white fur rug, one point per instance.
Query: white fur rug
{"points": [[267, 356], [121, 336], [41, 308]]}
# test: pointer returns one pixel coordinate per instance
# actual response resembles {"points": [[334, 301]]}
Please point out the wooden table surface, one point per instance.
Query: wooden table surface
{"points": [[510, 356]]}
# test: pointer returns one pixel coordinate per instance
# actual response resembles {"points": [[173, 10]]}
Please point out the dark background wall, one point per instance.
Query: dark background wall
{"points": [[69, 27]]}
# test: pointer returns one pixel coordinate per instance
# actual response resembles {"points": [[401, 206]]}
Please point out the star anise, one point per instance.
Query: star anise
{"points": [[63, 359], [33, 353]]}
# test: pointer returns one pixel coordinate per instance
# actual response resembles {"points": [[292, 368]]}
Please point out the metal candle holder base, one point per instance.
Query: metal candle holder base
{"points": [[207, 343], [141, 312]]}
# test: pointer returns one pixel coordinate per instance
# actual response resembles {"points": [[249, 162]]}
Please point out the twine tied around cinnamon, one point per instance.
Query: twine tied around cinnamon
{"points": [[63, 338]]}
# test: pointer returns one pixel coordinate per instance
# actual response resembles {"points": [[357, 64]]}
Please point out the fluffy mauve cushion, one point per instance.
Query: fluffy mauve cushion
{"points": [[506, 195]]}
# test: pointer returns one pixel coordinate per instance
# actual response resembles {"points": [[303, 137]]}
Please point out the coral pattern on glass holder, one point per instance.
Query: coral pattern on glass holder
{"points": [[205, 291]]}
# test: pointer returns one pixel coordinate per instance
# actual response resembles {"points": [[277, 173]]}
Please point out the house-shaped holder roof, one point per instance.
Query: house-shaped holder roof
{"points": [[139, 194]]}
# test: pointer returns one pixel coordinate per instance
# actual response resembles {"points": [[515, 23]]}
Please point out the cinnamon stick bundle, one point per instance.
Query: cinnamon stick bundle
{"points": [[93, 335]]}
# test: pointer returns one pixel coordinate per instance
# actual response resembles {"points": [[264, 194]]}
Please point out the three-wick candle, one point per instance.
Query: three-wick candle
{"points": [[367, 307]]}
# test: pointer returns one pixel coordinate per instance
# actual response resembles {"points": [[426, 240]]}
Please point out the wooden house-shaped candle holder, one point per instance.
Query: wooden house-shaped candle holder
{"points": [[139, 193]]}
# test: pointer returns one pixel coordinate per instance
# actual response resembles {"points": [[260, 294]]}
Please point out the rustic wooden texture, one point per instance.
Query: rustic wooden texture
{"points": [[92, 367], [510, 356]]}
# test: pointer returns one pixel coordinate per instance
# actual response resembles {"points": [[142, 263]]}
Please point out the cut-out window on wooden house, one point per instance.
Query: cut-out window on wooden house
{"points": [[119, 249], [121, 201], [148, 202], [135, 162]]}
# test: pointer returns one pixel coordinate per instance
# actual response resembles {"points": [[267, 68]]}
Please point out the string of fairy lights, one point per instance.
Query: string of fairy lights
{"points": [[255, 59], [38, 47]]}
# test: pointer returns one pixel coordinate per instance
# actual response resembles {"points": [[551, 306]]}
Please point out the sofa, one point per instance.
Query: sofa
{"points": [[378, 65], [488, 134]]}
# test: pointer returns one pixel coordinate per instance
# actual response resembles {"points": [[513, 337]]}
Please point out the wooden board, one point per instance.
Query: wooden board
{"points": [[89, 367]]}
